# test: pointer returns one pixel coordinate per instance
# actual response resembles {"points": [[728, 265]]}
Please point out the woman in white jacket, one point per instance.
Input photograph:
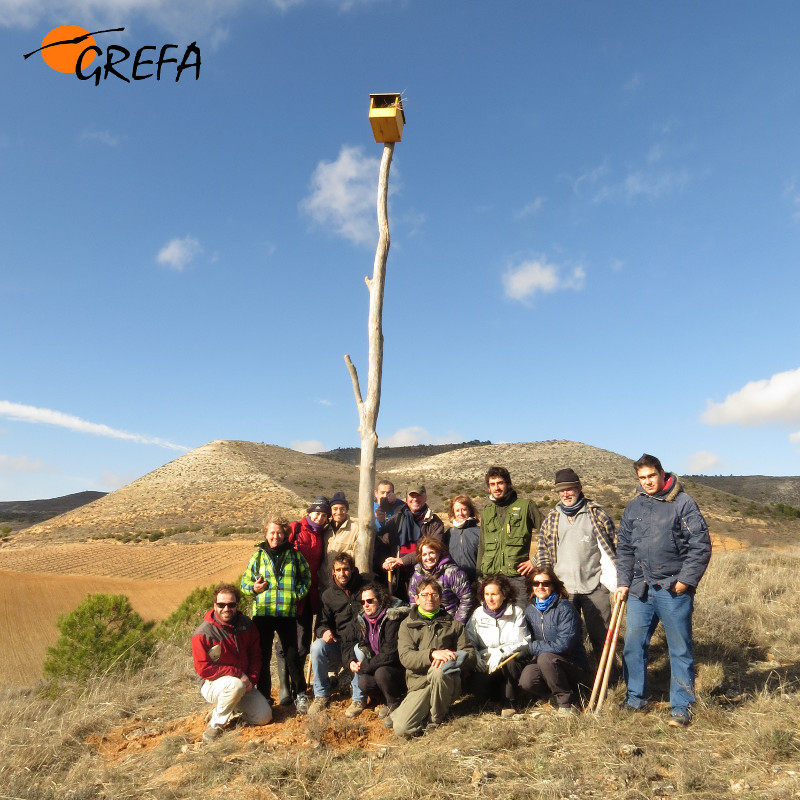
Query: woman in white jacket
{"points": [[501, 639]]}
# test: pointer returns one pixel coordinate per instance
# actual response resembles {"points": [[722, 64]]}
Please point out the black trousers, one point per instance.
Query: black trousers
{"points": [[386, 685], [551, 673], [286, 628]]}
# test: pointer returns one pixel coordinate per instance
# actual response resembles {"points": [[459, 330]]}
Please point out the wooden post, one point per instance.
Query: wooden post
{"points": [[368, 409]]}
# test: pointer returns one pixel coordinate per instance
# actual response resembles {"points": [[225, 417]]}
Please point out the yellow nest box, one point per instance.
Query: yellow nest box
{"points": [[386, 117]]}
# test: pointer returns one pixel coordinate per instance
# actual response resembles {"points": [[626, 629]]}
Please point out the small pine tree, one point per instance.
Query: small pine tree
{"points": [[103, 634], [189, 614]]}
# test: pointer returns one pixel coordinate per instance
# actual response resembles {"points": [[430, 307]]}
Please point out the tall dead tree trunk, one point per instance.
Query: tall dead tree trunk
{"points": [[368, 409]]}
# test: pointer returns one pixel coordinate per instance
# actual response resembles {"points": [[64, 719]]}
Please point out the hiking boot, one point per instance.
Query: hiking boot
{"points": [[319, 704], [354, 709], [567, 711], [211, 733], [301, 704], [383, 712], [508, 712], [679, 721]]}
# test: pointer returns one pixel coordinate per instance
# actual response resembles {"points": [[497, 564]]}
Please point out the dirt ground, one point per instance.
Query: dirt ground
{"points": [[287, 730]]}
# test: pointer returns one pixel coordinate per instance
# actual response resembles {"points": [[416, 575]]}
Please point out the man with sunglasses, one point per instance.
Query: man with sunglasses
{"points": [[227, 656]]}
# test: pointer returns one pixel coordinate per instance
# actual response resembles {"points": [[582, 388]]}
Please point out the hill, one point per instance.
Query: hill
{"points": [[761, 488], [23, 513], [226, 487]]}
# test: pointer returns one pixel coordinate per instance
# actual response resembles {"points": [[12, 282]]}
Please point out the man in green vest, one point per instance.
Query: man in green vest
{"points": [[507, 545]]}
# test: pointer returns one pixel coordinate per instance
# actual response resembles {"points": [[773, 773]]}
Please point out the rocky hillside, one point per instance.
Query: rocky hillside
{"points": [[226, 487]]}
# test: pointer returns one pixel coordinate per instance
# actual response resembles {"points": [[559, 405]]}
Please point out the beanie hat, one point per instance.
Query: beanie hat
{"points": [[320, 504], [567, 479], [340, 500]]}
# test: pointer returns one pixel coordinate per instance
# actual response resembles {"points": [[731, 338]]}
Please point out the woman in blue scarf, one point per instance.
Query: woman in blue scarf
{"points": [[558, 657]]}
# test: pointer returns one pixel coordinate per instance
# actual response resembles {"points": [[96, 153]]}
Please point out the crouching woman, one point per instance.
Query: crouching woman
{"points": [[558, 657]]}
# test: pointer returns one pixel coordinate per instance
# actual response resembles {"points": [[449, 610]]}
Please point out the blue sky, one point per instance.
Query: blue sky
{"points": [[595, 218]]}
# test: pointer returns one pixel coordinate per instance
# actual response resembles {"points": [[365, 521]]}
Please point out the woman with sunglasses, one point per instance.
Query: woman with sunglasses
{"points": [[558, 658], [374, 656]]}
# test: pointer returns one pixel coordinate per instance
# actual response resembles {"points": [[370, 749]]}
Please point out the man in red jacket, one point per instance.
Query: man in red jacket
{"points": [[227, 655]]}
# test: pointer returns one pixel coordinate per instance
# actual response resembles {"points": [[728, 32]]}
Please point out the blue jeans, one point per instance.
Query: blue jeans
{"points": [[328, 656], [675, 613]]}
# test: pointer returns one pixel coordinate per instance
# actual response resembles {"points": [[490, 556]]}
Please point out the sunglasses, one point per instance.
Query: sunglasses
{"points": [[368, 600], [545, 584], [226, 605]]}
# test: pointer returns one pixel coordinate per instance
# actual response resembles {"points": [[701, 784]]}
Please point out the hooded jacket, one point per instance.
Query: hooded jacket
{"points": [[220, 649], [288, 581], [663, 538]]}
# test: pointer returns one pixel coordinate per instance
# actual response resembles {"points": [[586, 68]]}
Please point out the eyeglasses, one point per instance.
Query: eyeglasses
{"points": [[369, 600], [226, 605], [428, 594], [543, 584]]}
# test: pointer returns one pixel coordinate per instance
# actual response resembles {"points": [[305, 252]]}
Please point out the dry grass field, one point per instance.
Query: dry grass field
{"points": [[37, 584]]}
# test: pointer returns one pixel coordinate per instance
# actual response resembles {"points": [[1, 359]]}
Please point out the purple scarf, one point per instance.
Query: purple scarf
{"points": [[495, 614], [374, 630]]}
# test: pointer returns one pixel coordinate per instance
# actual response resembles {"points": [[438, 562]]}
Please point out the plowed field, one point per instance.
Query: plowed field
{"points": [[37, 584]]}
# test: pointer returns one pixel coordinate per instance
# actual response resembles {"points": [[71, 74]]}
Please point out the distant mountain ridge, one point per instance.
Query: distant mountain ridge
{"points": [[30, 512]]}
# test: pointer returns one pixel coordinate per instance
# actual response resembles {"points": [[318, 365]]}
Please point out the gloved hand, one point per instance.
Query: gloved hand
{"points": [[495, 657]]}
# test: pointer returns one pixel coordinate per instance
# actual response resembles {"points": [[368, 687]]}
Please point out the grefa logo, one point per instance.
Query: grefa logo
{"points": [[70, 48]]}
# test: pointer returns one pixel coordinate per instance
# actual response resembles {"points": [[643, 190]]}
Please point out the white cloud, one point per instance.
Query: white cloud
{"points": [[651, 184], [772, 400], [344, 194], [589, 177], [22, 413], [103, 137], [775, 399], [414, 434], [177, 254], [324, 402], [310, 446], [702, 461], [529, 209], [19, 464], [524, 280]]}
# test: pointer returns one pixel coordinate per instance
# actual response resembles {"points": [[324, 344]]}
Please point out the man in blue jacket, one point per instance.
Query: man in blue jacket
{"points": [[663, 549]]}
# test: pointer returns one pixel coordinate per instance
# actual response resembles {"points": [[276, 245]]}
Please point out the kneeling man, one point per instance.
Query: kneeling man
{"points": [[227, 655], [436, 653]]}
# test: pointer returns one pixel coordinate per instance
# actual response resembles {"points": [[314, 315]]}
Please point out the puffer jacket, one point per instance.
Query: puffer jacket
{"points": [[457, 596], [312, 545], [220, 649], [557, 630], [418, 636], [509, 632], [662, 539]]}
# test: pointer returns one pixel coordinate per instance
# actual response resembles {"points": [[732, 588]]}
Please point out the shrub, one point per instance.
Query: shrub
{"points": [[188, 615], [103, 634]]}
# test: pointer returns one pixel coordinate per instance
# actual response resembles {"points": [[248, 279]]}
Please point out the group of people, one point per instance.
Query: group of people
{"points": [[497, 605]]}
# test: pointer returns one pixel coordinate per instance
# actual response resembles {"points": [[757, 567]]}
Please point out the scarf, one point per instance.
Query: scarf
{"points": [[572, 510], [428, 614], [543, 605], [313, 525], [462, 523], [374, 630], [495, 614]]}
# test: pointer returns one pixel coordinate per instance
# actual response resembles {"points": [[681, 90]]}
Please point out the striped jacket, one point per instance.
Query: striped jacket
{"points": [[603, 527], [288, 581]]}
